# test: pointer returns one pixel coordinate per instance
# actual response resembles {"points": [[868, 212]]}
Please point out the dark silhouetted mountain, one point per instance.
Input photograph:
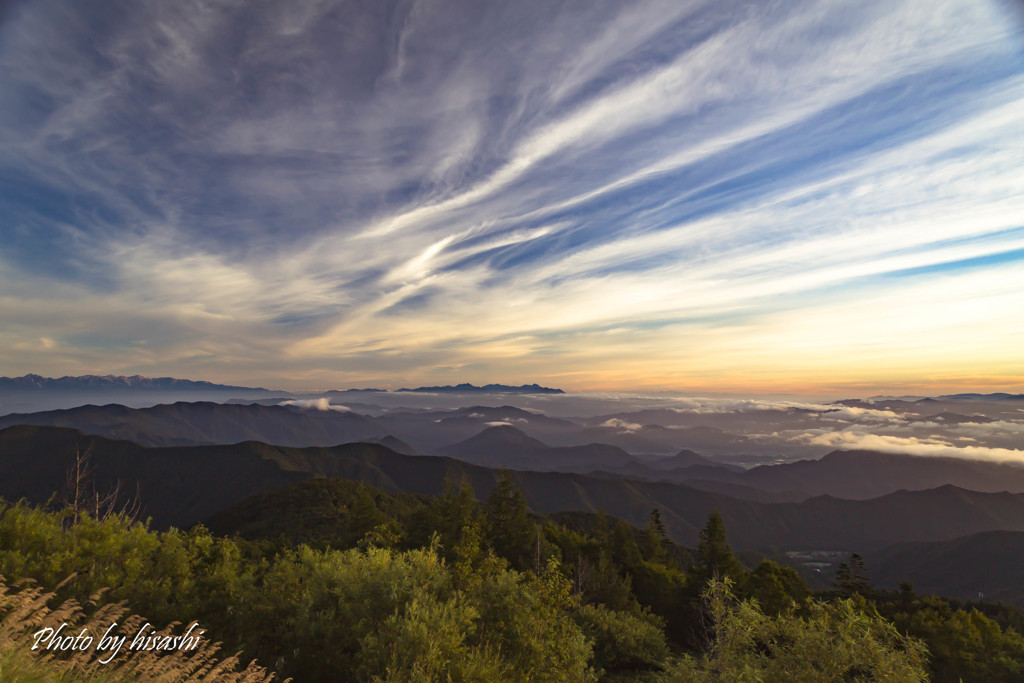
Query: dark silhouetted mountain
{"points": [[351, 391], [831, 523], [182, 485], [488, 388], [93, 383], [984, 397], [658, 439], [990, 562], [898, 405], [563, 445], [177, 485], [506, 446], [868, 474], [737, 491], [185, 423], [33, 393], [994, 406], [500, 438], [269, 401], [209, 423], [684, 458], [429, 430], [742, 492], [674, 468], [397, 445], [956, 418]]}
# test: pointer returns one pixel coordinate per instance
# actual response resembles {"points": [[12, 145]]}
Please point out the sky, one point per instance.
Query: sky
{"points": [[766, 197]]}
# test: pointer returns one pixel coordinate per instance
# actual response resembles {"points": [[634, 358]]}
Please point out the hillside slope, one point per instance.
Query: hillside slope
{"points": [[990, 563], [181, 485]]}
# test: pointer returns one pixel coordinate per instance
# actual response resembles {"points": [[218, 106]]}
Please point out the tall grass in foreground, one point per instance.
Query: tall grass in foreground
{"points": [[24, 610]]}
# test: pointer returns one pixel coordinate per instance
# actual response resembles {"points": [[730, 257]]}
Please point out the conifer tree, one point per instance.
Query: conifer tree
{"points": [[655, 538], [509, 527], [456, 509], [852, 576], [365, 515], [625, 551], [715, 559]]}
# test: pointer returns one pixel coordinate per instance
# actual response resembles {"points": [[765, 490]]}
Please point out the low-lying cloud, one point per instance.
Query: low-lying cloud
{"points": [[509, 422], [323, 404], [622, 425], [928, 447]]}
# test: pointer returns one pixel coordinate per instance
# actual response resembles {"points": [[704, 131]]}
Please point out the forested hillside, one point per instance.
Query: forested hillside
{"points": [[182, 485], [329, 578]]}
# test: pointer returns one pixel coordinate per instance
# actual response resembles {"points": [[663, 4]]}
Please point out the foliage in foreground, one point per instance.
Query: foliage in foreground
{"points": [[411, 589], [26, 611], [838, 641], [362, 614], [963, 643]]}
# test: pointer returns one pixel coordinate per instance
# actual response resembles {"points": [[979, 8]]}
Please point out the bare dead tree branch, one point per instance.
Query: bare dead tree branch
{"points": [[80, 495]]}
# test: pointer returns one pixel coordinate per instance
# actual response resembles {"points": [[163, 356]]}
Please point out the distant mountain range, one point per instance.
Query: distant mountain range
{"points": [[521, 440], [118, 383], [202, 422], [999, 396], [32, 393], [430, 430], [32, 382], [868, 474], [506, 446], [480, 435], [488, 388]]}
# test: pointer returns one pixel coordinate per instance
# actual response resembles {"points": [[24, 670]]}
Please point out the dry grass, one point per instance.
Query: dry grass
{"points": [[24, 610]]}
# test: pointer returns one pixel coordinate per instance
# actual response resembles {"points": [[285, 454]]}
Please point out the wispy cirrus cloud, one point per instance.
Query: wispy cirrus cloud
{"points": [[683, 194]]}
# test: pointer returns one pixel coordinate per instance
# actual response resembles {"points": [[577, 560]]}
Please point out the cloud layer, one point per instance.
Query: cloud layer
{"points": [[933, 447], [676, 194]]}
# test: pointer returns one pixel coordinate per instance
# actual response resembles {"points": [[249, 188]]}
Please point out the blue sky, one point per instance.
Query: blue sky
{"points": [[683, 195]]}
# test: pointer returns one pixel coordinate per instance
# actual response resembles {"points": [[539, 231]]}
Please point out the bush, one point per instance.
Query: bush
{"points": [[839, 641]]}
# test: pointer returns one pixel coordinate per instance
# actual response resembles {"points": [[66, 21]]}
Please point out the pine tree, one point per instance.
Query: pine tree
{"points": [[364, 515], [655, 539], [715, 559], [852, 577], [625, 551], [456, 509], [843, 576], [509, 528]]}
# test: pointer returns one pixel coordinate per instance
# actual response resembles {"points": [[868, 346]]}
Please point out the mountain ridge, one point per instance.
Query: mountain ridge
{"points": [[505, 446], [184, 484], [33, 382], [986, 563], [862, 474], [465, 387]]}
